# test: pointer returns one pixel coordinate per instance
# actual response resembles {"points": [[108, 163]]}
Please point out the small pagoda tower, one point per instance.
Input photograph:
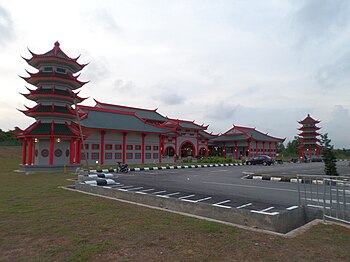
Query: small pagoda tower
{"points": [[53, 139], [308, 137]]}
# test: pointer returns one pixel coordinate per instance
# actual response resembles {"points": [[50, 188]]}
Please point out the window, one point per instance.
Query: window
{"points": [[137, 147], [95, 146], [129, 156], [86, 146], [108, 146], [155, 147], [118, 155], [60, 70], [47, 69], [95, 156], [108, 155], [117, 147], [129, 147], [137, 155], [83, 156], [148, 147], [148, 155], [155, 155]]}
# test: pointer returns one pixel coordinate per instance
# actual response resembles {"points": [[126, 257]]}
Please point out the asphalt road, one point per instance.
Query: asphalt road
{"points": [[225, 185]]}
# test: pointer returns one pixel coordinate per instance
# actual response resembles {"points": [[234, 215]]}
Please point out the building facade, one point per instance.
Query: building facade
{"points": [[65, 133]]}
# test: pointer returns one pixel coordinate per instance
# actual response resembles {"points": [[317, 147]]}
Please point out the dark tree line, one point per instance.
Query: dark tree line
{"points": [[8, 139]]}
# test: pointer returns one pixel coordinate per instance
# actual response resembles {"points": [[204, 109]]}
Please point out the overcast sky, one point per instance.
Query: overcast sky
{"points": [[263, 64]]}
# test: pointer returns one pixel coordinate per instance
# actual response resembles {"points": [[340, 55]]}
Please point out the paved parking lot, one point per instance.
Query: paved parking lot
{"points": [[224, 187]]}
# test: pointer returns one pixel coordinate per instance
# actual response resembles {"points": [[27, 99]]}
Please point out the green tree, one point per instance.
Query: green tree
{"points": [[292, 147], [329, 159]]}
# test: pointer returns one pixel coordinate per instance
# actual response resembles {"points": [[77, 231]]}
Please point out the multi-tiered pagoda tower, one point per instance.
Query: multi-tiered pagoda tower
{"points": [[53, 139], [308, 137]]}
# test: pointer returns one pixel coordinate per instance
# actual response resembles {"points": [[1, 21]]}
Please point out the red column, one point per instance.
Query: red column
{"points": [[224, 149], [30, 151], [160, 148], [77, 150], [51, 151], [175, 149], [197, 145], [207, 149], [248, 148], [124, 148], [143, 149], [24, 151], [236, 149], [256, 148], [102, 158], [71, 151], [269, 148]]}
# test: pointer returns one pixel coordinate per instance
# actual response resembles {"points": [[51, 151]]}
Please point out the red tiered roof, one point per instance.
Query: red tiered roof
{"points": [[53, 92], [39, 129], [50, 110], [308, 120], [56, 55], [36, 78]]}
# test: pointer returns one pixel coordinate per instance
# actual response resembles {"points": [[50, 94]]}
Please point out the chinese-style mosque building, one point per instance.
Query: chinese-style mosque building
{"points": [[65, 133], [308, 138]]}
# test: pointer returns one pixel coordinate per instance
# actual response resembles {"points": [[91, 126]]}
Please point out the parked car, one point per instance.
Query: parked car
{"points": [[262, 160]]}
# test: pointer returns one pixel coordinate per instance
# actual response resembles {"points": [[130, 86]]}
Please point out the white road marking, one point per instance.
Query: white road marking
{"points": [[106, 187], [245, 205], [154, 193], [264, 213], [222, 202], [173, 194], [124, 187], [292, 207], [215, 171], [267, 209], [268, 188], [196, 201], [146, 190], [186, 196]]}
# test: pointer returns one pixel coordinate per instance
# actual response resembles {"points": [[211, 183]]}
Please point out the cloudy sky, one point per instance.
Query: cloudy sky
{"points": [[263, 64]]}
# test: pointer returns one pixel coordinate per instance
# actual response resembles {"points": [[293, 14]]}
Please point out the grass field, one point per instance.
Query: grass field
{"points": [[41, 222]]}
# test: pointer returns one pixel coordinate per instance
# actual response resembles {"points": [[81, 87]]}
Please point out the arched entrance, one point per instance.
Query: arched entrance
{"points": [[187, 149]]}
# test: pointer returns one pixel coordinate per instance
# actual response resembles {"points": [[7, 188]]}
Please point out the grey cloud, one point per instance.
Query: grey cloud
{"points": [[96, 71], [171, 99], [123, 86], [222, 110], [104, 20], [331, 75], [338, 127], [6, 27], [318, 20]]}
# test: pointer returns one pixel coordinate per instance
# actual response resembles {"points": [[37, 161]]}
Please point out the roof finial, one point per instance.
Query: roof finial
{"points": [[57, 44]]}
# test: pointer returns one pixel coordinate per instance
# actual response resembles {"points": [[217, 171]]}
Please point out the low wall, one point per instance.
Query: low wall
{"points": [[281, 223]]}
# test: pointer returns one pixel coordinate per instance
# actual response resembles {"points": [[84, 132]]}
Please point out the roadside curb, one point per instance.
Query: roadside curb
{"points": [[289, 180], [167, 167]]}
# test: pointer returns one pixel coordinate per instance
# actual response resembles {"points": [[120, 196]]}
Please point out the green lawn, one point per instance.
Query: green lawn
{"points": [[41, 222]]}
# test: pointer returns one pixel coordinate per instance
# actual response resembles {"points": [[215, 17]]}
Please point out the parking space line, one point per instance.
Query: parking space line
{"points": [[245, 205], [203, 199], [267, 209], [292, 207], [135, 188], [125, 187], [146, 190], [173, 194], [264, 213], [222, 202], [154, 193], [186, 196]]}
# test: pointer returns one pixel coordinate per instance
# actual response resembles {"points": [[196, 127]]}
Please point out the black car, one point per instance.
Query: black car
{"points": [[264, 160]]}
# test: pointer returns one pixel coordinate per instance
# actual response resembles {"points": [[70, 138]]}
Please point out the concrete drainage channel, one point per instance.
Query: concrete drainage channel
{"points": [[282, 222]]}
